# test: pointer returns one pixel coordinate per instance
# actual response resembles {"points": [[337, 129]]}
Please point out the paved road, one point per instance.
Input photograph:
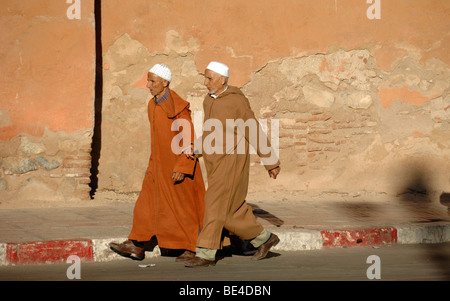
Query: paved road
{"points": [[425, 262]]}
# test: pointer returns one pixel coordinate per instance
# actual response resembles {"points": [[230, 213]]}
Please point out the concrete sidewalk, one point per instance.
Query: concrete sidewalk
{"points": [[51, 235]]}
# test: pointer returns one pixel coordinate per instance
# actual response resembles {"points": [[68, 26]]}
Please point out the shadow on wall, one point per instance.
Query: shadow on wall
{"points": [[98, 101], [417, 195], [445, 200], [416, 188]]}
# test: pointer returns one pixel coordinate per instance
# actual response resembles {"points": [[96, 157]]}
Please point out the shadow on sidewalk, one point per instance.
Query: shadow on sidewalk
{"points": [[261, 213], [360, 211], [415, 198], [415, 195]]}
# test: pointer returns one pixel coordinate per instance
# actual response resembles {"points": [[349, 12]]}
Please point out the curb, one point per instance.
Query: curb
{"points": [[97, 250], [58, 251]]}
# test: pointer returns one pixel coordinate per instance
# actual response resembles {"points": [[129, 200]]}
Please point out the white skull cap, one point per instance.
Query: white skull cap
{"points": [[162, 71], [220, 68]]}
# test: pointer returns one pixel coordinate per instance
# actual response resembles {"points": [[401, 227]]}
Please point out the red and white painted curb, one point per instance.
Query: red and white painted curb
{"points": [[303, 239], [46, 251], [57, 251], [311, 239], [97, 250]]}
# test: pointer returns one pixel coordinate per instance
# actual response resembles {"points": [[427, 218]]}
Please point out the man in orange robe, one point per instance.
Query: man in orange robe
{"points": [[170, 205]]}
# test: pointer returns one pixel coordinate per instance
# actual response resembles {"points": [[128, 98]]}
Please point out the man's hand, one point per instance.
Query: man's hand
{"points": [[273, 173], [177, 177]]}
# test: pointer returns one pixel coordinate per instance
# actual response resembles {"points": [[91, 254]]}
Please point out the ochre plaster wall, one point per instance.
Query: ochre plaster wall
{"points": [[363, 104], [47, 70], [248, 34]]}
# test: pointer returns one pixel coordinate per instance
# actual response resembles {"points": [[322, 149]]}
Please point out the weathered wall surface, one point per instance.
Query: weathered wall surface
{"points": [[125, 126], [47, 68], [363, 104]]}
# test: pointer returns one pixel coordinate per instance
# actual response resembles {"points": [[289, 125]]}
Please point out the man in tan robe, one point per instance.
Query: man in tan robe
{"points": [[170, 205], [228, 171]]}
